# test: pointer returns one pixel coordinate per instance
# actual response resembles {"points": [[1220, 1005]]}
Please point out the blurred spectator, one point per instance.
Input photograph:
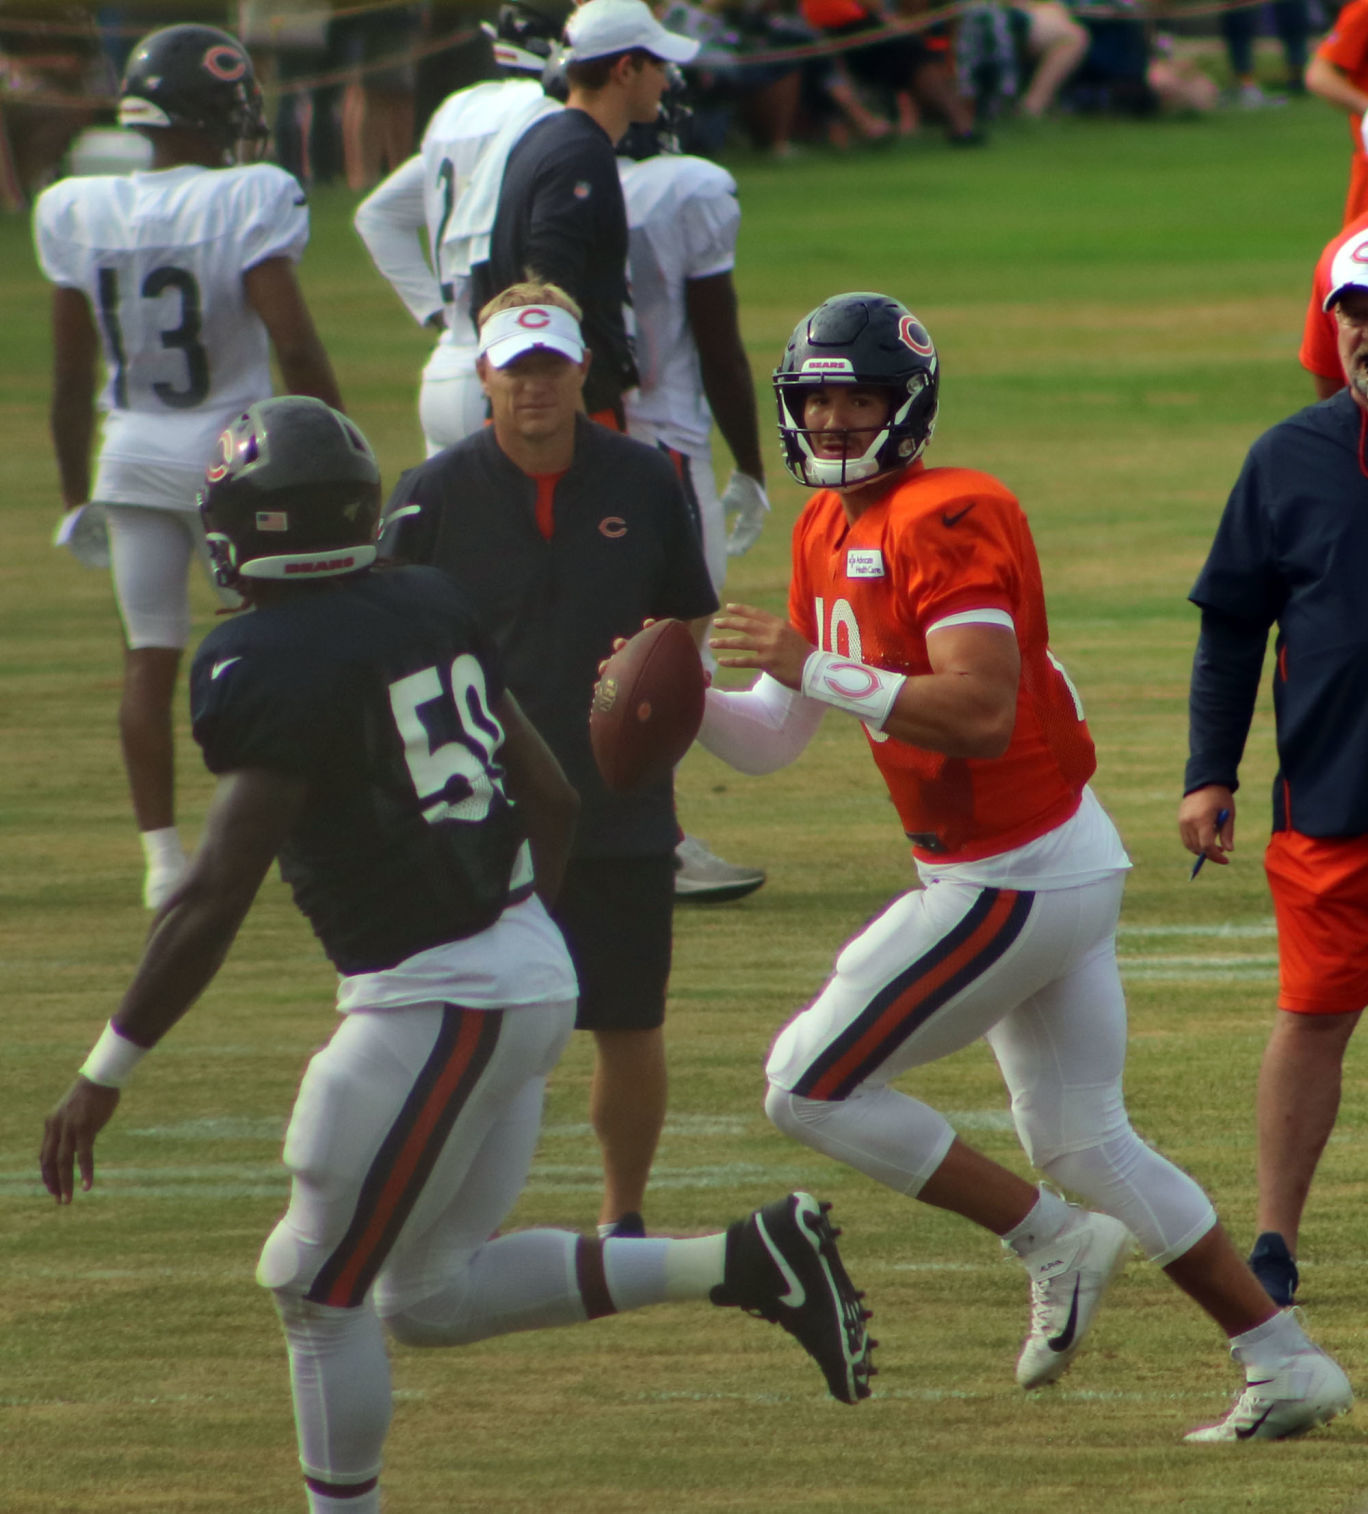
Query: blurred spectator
{"points": [[377, 48], [911, 68], [771, 97], [1001, 48], [1129, 70], [1292, 21], [51, 79], [290, 38]]}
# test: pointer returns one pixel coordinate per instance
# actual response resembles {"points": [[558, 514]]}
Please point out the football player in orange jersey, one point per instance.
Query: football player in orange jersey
{"points": [[916, 606]]}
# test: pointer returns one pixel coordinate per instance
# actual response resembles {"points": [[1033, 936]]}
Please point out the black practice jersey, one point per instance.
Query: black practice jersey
{"points": [[561, 217], [1292, 549], [377, 690], [623, 549]]}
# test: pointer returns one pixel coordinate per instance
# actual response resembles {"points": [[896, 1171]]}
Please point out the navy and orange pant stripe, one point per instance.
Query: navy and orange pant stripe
{"points": [[462, 1051], [991, 924]]}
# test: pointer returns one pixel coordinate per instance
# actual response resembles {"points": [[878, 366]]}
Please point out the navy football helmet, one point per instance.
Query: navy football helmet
{"points": [[294, 494], [669, 132], [194, 76], [865, 340], [525, 33]]}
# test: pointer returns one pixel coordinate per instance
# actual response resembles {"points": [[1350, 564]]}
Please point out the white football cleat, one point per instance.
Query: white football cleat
{"points": [[1301, 1392], [1068, 1278]]}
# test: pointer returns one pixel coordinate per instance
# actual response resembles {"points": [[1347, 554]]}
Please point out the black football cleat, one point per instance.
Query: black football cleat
{"points": [[782, 1265]]}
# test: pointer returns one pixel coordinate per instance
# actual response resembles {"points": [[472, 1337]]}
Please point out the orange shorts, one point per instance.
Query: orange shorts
{"points": [[1320, 899]]}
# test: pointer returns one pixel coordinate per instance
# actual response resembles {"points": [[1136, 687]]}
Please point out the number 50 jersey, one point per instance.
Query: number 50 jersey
{"points": [[378, 691], [160, 257]]}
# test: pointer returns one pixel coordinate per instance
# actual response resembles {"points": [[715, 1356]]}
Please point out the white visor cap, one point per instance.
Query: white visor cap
{"points": [[508, 334], [604, 27]]}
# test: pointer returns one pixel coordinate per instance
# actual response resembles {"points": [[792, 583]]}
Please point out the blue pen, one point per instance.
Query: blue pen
{"points": [[1221, 817]]}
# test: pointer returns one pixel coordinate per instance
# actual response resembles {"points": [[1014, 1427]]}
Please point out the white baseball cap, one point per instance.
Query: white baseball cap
{"points": [[1349, 270], [508, 334], [601, 28]]}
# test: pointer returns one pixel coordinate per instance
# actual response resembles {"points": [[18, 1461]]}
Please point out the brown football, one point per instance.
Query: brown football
{"points": [[647, 707]]}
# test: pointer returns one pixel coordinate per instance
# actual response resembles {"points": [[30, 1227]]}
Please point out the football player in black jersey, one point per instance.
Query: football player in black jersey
{"points": [[361, 733]]}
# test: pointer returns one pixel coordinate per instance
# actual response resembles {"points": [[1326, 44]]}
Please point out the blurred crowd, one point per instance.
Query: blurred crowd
{"points": [[352, 85]]}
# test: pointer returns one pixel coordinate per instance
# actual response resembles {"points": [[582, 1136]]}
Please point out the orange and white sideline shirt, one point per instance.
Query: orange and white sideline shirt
{"points": [[1319, 352], [947, 546], [1346, 47]]}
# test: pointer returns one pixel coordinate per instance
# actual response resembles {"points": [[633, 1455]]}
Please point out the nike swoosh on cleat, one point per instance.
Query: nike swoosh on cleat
{"points": [[1248, 1431], [222, 667], [796, 1294], [1064, 1339]]}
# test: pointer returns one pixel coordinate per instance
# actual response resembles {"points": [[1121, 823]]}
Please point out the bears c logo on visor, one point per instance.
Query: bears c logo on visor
{"points": [[534, 318], [224, 63], [914, 335]]}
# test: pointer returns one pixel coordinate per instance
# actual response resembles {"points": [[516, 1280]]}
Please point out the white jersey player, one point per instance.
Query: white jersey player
{"points": [[183, 277], [424, 223], [683, 219]]}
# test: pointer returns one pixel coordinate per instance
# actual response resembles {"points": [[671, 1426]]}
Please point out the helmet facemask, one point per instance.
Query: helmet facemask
{"points": [[892, 447]]}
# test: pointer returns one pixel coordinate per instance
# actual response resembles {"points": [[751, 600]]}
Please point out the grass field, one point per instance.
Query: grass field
{"points": [[1117, 308]]}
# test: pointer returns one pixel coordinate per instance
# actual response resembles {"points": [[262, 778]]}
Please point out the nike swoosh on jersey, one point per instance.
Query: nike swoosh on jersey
{"points": [[796, 1294], [222, 667], [1064, 1339], [954, 520]]}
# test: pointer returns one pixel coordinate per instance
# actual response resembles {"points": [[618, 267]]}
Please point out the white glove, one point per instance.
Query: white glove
{"points": [[1363, 130], [84, 532], [745, 497]]}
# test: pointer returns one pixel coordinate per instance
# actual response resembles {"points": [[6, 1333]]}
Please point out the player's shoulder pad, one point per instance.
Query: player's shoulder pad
{"points": [[265, 183], [701, 176], [58, 203]]}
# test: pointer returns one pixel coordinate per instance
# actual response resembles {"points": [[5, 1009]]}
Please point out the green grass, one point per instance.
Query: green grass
{"points": [[1117, 308]]}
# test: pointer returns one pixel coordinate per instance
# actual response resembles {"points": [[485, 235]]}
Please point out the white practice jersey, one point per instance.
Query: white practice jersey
{"points": [[160, 256], [424, 196], [683, 218]]}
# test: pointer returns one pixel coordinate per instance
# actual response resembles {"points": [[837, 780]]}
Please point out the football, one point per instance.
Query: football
{"points": [[648, 706]]}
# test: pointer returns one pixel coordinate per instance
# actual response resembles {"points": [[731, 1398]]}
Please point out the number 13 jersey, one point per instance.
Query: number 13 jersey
{"points": [[945, 547], [160, 257]]}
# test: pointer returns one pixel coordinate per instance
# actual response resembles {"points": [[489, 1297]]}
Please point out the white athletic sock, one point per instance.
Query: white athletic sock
{"points": [[651, 1271], [1048, 1216], [340, 1375], [365, 1503], [162, 848], [1271, 1342]]}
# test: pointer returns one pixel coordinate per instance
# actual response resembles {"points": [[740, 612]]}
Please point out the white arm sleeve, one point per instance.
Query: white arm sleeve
{"points": [[390, 221], [761, 729]]}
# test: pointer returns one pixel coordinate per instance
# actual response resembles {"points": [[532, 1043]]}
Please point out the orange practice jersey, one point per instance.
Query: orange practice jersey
{"points": [[941, 542], [1320, 344]]}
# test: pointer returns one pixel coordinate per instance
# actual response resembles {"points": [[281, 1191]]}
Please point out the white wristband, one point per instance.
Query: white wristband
{"points": [[112, 1058], [852, 686]]}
